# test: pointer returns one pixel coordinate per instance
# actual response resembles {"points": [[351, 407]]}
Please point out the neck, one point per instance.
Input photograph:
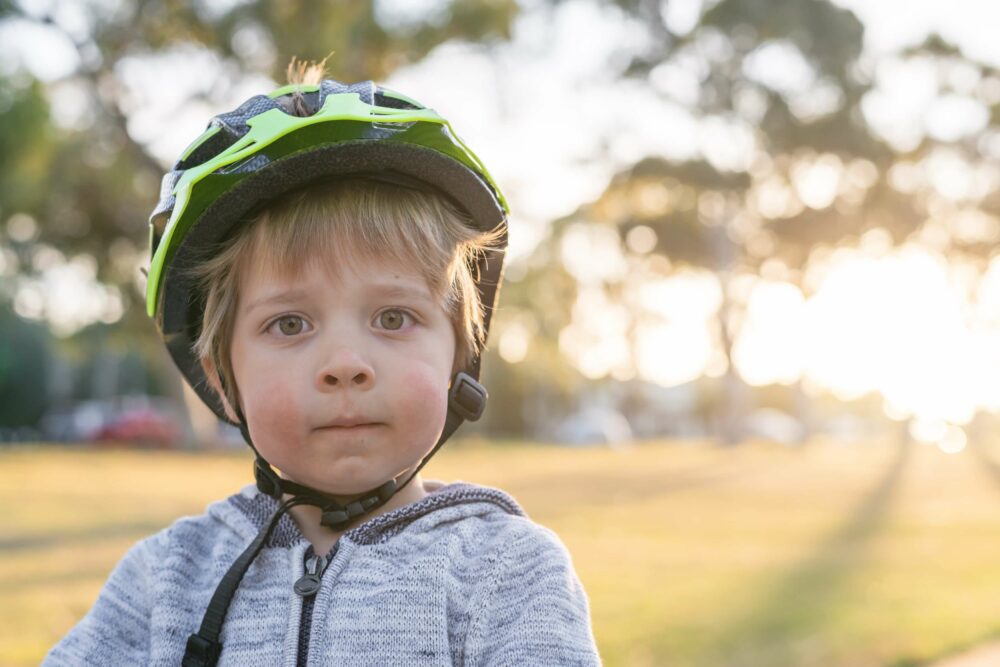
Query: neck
{"points": [[323, 538]]}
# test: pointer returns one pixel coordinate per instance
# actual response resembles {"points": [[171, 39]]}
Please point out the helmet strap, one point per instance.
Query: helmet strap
{"points": [[466, 401]]}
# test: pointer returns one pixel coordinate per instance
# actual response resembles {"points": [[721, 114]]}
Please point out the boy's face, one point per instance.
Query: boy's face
{"points": [[343, 374]]}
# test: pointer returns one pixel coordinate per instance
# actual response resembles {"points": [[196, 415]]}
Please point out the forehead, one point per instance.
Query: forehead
{"points": [[264, 273]]}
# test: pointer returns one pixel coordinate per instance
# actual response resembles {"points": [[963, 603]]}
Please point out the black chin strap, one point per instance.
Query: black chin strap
{"points": [[466, 401]]}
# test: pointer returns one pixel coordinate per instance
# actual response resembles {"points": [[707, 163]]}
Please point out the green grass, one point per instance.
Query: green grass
{"points": [[758, 556]]}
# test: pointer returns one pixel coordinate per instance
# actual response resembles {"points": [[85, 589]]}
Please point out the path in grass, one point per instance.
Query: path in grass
{"points": [[987, 655]]}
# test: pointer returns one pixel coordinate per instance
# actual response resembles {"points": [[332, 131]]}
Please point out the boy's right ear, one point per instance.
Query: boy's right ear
{"points": [[212, 376]]}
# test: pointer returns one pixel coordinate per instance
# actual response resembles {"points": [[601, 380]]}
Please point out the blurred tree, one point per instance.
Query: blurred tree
{"points": [[794, 159]]}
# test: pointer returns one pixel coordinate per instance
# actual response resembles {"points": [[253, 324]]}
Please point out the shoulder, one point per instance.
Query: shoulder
{"points": [[517, 539], [529, 606], [491, 529], [502, 521], [531, 557], [487, 516], [467, 527], [221, 529]]}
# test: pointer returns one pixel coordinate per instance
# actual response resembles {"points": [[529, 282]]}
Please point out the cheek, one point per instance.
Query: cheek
{"points": [[272, 413], [424, 396]]}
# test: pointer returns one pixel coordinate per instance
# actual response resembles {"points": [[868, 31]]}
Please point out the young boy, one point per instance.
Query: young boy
{"points": [[325, 262]]}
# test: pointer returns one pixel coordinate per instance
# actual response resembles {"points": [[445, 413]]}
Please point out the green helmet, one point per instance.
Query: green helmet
{"points": [[261, 150]]}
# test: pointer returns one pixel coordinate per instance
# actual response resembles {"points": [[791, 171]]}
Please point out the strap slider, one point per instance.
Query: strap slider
{"points": [[355, 509], [335, 519], [467, 397]]}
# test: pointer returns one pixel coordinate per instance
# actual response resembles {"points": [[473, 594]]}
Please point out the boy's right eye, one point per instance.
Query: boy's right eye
{"points": [[288, 325]]}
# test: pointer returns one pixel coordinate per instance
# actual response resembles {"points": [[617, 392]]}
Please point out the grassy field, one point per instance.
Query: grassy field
{"points": [[759, 556]]}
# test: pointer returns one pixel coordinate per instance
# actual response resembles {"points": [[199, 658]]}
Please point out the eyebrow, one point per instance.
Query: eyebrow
{"points": [[385, 290], [284, 296], [401, 291]]}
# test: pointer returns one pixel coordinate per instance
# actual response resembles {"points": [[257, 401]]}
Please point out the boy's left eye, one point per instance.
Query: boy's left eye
{"points": [[392, 319], [289, 325]]}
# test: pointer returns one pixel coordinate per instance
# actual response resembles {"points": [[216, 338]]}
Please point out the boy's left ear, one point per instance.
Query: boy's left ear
{"points": [[212, 376]]}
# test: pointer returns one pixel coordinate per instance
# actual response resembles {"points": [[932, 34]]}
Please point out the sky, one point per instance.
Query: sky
{"points": [[894, 24]]}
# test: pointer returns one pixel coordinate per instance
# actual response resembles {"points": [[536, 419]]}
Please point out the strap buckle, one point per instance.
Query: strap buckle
{"points": [[467, 398], [201, 652]]}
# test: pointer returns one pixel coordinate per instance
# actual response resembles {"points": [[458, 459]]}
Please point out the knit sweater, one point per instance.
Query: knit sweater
{"points": [[461, 577]]}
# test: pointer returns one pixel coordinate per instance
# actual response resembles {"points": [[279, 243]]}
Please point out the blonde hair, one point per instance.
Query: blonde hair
{"points": [[299, 73], [346, 222]]}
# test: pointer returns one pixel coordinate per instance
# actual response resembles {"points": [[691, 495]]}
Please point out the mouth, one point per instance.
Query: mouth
{"points": [[348, 426]]}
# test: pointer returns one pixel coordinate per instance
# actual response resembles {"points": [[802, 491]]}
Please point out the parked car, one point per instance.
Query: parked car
{"points": [[142, 425]]}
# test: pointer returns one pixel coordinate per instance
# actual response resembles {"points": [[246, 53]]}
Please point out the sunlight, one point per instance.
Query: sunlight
{"points": [[900, 323], [597, 340], [895, 324], [953, 441], [675, 342], [817, 181], [770, 347], [672, 354]]}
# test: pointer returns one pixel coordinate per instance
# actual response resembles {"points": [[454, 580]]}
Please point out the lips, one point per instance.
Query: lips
{"points": [[348, 424]]}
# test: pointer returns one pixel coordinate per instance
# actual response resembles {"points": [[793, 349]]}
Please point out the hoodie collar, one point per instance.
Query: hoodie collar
{"points": [[253, 507]]}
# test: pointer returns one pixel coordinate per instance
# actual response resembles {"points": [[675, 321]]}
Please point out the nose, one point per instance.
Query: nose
{"points": [[345, 367]]}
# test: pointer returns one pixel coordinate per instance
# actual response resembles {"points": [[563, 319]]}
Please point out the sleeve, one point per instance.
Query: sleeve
{"points": [[116, 629], [533, 610]]}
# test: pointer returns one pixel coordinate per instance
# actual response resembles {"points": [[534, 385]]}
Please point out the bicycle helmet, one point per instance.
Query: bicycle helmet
{"points": [[270, 145]]}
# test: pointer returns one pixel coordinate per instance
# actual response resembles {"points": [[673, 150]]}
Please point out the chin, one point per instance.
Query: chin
{"points": [[340, 486]]}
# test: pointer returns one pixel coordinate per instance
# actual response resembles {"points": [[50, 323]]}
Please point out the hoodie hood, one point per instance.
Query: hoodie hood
{"points": [[249, 510]]}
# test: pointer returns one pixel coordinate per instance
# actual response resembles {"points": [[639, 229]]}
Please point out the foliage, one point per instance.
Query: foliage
{"points": [[25, 355]]}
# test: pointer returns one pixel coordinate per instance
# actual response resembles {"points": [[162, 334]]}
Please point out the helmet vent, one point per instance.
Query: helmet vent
{"points": [[246, 165]]}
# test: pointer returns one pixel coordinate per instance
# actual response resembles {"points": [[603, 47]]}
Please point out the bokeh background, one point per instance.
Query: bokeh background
{"points": [[747, 358]]}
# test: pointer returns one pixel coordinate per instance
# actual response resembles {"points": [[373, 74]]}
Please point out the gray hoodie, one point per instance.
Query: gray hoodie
{"points": [[461, 577]]}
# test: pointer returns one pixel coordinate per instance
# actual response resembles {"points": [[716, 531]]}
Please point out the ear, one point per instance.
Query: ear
{"points": [[212, 375]]}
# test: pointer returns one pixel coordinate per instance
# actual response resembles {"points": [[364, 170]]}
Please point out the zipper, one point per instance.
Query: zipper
{"points": [[306, 587], [308, 583]]}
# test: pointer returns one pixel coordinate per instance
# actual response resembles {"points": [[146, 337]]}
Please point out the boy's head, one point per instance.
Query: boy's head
{"points": [[345, 224], [337, 317]]}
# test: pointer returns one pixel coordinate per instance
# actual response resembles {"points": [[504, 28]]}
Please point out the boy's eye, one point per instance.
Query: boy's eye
{"points": [[289, 325], [392, 319]]}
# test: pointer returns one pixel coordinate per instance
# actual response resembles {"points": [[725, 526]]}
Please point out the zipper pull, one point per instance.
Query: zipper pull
{"points": [[309, 582]]}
